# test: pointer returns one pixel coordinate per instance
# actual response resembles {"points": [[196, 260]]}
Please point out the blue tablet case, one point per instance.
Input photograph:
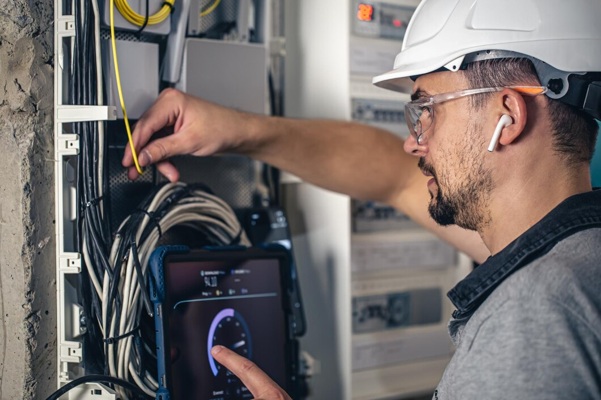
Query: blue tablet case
{"points": [[158, 295]]}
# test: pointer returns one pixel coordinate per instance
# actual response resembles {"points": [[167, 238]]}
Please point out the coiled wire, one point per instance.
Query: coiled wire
{"points": [[134, 18]]}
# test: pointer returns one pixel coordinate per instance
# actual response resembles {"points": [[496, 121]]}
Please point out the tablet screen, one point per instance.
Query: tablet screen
{"points": [[237, 304]]}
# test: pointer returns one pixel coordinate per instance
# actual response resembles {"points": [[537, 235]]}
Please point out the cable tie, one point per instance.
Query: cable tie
{"points": [[154, 219], [115, 339], [166, 3], [92, 203]]}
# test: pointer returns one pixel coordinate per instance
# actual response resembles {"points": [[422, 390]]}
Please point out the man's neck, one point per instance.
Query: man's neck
{"points": [[516, 208]]}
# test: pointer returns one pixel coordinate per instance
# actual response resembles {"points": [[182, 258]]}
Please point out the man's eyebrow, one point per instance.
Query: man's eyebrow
{"points": [[419, 94]]}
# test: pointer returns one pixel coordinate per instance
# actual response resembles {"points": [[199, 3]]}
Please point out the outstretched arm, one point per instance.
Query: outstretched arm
{"points": [[361, 161]]}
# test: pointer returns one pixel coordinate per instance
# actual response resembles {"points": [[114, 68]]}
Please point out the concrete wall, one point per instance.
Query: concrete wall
{"points": [[27, 271]]}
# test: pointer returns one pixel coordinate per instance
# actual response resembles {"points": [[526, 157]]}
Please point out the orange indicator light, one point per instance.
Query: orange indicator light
{"points": [[365, 12]]}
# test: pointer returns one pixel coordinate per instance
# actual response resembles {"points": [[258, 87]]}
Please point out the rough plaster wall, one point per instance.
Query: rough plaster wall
{"points": [[27, 272]]}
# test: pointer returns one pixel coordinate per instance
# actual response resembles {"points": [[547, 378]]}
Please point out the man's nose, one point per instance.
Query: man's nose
{"points": [[412, 147]]}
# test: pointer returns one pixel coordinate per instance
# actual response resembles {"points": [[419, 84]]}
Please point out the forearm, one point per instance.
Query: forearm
{"points": [[358, 160]]}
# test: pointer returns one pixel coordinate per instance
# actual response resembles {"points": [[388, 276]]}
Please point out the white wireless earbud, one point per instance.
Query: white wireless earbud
{"points": [[504, 121]]}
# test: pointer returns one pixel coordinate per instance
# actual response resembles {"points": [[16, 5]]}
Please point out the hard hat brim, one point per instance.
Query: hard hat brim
{"points": [[401, 78], [398, 81]]}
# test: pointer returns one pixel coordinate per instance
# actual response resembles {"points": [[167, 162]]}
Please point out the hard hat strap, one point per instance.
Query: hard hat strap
{"points": [[585, 93]]}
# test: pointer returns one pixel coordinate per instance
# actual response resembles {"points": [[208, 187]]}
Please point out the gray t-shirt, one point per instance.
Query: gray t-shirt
{"points": [[538, 334]]}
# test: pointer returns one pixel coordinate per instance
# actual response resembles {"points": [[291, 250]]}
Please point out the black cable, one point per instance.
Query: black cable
{"points": [[100, 379], [127, 234], [146, 17], [95, 214], [140, 275], [92, 226], [115, 339]]}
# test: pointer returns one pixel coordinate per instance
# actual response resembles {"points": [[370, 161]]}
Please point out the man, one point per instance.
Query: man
{"points": [[505, 96]]}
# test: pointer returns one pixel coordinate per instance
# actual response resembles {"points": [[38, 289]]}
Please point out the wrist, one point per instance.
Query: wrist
{"points": [[257, 132]]}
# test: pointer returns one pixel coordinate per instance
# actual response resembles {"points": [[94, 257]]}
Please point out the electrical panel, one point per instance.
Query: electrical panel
{"points": [[400, 273], [388, 278], [113, 57], [385, 114]]}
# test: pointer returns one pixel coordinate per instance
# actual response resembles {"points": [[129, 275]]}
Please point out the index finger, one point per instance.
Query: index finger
{"points": [[258, 382], [163, 113]]}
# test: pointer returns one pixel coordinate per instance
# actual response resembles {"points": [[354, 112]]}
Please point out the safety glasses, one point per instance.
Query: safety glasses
{"points": [[419, 113]]}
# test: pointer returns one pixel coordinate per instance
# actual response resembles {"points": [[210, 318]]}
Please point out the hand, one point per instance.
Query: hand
{"points": [[260, 385], [199, 128]]}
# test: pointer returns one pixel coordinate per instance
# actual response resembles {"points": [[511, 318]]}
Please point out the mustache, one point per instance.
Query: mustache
{"points": [[427, 168]]}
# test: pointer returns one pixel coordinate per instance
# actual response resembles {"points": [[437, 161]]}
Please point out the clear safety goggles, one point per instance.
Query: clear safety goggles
{"points": [[419, 113]]}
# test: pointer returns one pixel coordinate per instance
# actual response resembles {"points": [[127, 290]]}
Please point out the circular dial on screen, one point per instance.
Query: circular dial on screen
{"points": [[228, 329]]}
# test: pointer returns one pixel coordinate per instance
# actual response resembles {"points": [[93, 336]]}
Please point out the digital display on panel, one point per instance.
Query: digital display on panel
{"points": [[365, 12]]}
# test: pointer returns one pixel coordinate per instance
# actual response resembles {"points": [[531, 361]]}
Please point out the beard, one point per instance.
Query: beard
{"points": [[464, 204]]}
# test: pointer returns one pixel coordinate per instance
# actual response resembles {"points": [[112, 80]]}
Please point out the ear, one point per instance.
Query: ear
{"points": [[513, 104]]}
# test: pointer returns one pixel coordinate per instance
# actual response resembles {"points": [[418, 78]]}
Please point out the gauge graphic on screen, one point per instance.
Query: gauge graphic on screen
{"points": [[228, 329]]}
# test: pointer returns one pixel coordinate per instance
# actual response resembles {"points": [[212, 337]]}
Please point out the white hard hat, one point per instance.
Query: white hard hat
{"points": [[561, 37]]}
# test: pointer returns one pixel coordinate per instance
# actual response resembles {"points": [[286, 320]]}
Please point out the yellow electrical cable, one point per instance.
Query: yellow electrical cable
{"points": [[210, 9], [118, 79], [137, 19]]}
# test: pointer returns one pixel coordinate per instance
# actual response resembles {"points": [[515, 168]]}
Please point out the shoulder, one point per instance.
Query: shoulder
{"points": [[569, 274], [559, 292], [537, 332]]}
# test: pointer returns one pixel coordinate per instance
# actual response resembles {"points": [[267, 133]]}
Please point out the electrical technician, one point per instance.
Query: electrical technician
{"points": [[502, 121]]}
